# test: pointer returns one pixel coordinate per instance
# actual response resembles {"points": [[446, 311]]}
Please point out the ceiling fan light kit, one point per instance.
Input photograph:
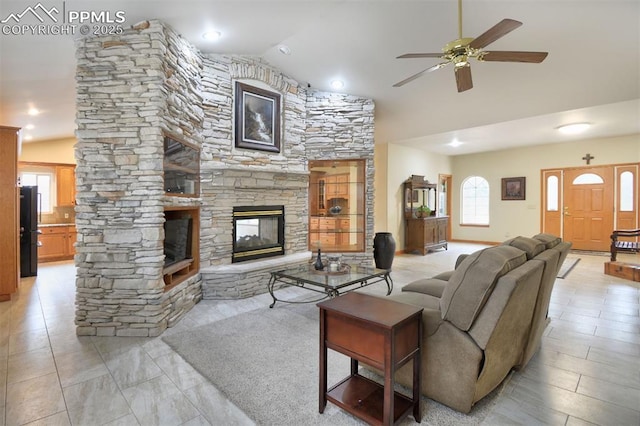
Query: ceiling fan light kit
{"points": [[459, 51]]}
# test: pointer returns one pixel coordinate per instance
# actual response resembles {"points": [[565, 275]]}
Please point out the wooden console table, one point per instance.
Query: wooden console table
{"points": [[382, 334]]}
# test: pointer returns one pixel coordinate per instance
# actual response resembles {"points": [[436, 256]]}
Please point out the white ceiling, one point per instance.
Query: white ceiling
{"points": [[592, 72]]}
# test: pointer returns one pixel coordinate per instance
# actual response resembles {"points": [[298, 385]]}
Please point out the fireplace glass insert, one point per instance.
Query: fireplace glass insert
{"points": [[257, 232]]}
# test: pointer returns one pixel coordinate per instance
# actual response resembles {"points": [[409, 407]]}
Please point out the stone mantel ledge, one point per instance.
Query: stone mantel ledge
{"points": [[252, 170], [258, 265]]}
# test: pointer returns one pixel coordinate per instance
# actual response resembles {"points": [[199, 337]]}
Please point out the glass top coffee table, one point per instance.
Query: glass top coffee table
{"points": [[330, 284]]}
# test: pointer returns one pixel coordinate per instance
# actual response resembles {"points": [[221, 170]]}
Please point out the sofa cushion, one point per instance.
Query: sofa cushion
{"points": [[549, 240], [430, 286], [531, 246], [471, 284]]}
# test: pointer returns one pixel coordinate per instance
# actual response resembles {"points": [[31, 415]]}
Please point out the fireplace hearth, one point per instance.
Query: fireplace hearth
{"points": [[258, 232]]}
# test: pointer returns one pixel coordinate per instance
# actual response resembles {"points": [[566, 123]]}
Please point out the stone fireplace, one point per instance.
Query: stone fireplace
{"points": [[258, 232], [131, 89]]}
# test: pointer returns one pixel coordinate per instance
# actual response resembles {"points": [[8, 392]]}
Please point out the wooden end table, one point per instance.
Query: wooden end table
{"points": [[381, 333]]}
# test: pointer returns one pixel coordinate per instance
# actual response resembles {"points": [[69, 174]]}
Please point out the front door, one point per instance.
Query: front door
{"points": [[588, 207]]}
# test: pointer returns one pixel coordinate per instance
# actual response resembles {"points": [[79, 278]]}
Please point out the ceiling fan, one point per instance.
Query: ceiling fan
{"points": [[458, 52]]}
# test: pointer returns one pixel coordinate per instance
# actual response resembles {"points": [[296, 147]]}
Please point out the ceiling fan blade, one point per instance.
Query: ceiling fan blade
{"points": [[419, 55], [463, 78], [499, 30], [512, 56], [413, 77]]}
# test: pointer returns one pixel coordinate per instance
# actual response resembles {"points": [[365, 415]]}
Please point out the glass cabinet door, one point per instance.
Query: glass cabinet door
{"points": [[336, 205]]}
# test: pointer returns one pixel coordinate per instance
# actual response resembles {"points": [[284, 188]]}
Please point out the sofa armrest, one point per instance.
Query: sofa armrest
{"points": [[430, 286]]}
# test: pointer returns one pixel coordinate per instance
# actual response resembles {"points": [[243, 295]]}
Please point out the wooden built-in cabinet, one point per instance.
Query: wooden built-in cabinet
{"points": [[424, 234], [56, 243], [9, 212]]}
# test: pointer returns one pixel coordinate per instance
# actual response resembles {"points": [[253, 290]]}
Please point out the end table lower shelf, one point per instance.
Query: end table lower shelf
{"points": [[365, 399], [381, 333]]}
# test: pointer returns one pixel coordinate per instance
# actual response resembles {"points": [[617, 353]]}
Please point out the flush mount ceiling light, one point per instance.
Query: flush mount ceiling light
{"points": [[573, 128], [455, 143], [337, 84], [33, 111], [29, 127], [284, 49], [212, 35]]}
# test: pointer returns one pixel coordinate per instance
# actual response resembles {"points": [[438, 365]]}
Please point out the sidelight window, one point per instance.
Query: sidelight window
{"points": [[626, 192], [552, 194]]}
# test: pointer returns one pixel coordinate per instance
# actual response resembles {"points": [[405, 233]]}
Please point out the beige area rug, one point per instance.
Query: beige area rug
{"points": [[266, 362]]}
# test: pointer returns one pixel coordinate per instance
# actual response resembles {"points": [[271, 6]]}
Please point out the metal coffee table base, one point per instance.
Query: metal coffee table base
{"points": [[325, 284]]}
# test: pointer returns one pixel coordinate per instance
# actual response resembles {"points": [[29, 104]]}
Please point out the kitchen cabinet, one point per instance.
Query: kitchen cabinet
{"points": [[337, 186], [9, 211], [66, 185], [56, 243], [329, 231]]}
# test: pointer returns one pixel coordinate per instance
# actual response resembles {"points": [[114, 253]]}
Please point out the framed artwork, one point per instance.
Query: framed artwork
{"points": [[257, 118], [514, 188]]}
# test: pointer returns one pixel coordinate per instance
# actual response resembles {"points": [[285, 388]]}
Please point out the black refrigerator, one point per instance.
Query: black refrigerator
{"points": [[28, 231]]}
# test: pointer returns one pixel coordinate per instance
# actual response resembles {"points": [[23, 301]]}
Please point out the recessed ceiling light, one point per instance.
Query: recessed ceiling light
{"points": [[284, 49], [337, 84], [573, 128], [33, 111], [212, 35], [29, 127], [455, 143]]}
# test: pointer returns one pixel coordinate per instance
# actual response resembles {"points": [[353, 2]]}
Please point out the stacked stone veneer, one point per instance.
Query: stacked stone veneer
{"points": [[131, 89]]}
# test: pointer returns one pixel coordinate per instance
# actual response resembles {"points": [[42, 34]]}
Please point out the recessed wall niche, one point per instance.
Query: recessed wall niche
{"points": [[181, 167], [181, 245]]}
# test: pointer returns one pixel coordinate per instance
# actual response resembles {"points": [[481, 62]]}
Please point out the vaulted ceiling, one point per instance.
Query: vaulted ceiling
{"points": [[592, 72]]}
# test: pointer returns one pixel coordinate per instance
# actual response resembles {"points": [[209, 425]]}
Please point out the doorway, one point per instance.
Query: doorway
{"points": [[444, 201], [585, 204]]}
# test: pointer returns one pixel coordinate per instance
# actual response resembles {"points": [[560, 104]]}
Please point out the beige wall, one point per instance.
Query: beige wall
{"points": [[394, 164], [512, 218], [50, 151]]}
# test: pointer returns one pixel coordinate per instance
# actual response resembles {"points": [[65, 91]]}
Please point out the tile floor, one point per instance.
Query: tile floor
{"points": [[587, 371]]}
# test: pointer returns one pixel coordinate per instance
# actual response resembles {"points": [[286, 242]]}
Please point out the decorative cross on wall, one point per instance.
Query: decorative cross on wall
{"points": [[588, 158]]}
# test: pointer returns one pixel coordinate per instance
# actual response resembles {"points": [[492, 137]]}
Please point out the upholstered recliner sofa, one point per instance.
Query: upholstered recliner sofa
{"points": [[483, 318]]}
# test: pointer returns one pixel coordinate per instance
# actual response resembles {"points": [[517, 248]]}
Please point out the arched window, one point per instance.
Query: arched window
{"points": [[588, 179], [475, 201]]}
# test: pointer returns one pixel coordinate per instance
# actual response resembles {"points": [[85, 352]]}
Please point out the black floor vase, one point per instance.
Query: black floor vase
{"points": [[384, 248]]}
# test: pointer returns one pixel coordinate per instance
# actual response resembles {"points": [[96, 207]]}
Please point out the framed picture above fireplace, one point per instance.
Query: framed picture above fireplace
{"points": [[257, 118]]}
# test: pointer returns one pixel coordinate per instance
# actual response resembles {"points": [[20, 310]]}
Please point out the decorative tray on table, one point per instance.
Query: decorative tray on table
{"points": [[342, 269]]}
